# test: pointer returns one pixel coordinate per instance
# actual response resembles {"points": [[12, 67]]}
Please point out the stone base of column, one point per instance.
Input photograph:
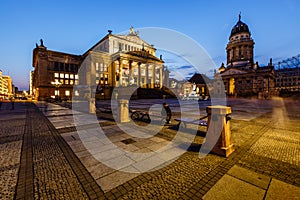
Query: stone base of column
{"points": [[223, 151], [123, 111], [92, 106]]}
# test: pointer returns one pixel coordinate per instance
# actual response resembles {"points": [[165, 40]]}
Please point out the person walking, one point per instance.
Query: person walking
{"points": [[46, 106], [1, 101], [166, 112], [12, 100]]}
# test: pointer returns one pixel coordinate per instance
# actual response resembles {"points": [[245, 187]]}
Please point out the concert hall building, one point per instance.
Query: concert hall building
{"points": [[117, 61]]}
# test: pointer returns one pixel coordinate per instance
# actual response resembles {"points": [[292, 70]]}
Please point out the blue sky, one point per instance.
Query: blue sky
{"points": [[75, 26]]}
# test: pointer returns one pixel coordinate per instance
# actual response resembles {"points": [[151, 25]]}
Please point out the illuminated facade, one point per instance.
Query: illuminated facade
{"points": [[115, 61], [51, 67], [241, 76], [6, 87]]}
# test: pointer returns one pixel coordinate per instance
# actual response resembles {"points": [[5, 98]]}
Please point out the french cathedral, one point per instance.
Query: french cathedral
{"points": [[242, 76]]}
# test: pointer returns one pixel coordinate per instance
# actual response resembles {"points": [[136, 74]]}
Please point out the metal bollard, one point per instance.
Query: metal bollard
{"points": [[219, 120]]}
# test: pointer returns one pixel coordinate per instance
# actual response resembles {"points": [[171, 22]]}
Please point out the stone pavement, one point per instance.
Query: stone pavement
{"points": [[56, 164]]}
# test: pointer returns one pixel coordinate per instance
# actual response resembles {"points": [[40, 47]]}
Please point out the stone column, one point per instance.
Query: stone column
{"points": [[219, 120], [130, 72], [113, 74], [91, 82], [120, 72], [147, 75], [139, 74], [153, 76], [160, 76], [123, 111]]}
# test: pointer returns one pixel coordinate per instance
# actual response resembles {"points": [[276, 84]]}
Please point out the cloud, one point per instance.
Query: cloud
{"points": [[185, 67]]}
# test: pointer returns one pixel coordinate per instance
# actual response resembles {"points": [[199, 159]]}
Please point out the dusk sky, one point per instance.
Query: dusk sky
{"points": [[75, 26]]}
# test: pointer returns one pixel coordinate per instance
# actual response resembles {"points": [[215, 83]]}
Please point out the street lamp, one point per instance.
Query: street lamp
{"points": [[57, 84]]}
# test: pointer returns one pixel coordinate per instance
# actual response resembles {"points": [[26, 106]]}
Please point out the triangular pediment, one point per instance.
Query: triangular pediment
{"points": [[233, 72]]}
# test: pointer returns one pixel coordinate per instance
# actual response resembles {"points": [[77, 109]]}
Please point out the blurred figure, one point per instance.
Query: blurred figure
{"points": [[12, 100], [166, 112], [45, 106], [1, 100]]}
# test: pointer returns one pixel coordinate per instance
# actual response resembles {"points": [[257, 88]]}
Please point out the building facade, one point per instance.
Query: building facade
{"points": [[115, 61], [287, 79], [242, 77], [6, 86], [54, 74]]}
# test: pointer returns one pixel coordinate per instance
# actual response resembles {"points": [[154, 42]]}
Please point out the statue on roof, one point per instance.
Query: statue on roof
{"points": [[42, 43], [240, 16], [132, 31]]}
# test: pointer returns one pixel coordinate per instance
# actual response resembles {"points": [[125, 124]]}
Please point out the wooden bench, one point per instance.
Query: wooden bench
{"points": [[186, 121]]}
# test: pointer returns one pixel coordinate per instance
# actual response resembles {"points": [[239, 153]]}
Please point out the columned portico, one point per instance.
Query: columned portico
{"points": [[138, 68]]}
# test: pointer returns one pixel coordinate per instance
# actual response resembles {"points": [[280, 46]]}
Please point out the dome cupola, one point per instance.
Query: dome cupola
{"points": [[239, 27], [240, 46]]}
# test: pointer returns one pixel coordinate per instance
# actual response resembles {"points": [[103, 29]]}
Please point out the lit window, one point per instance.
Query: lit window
{"points": [[71, 82], [101, 67], [72, 76], [67, 82], [66, 75], [76, 82], [67, 93], [97, 66], [76, 76], [105, 68], [76, 93], [56, 75], [56, 80], [97, 74], [61, 75]]}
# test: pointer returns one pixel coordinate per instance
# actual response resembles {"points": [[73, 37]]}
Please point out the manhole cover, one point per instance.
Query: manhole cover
{"points": [[128, 141]]}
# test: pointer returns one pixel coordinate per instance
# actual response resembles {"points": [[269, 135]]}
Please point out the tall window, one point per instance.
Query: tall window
{"points": [[61, 67], [56, 66]]}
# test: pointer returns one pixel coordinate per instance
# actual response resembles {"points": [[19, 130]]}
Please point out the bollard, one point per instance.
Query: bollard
{"points": [[219, 120], [123, 112], [92, 105]]}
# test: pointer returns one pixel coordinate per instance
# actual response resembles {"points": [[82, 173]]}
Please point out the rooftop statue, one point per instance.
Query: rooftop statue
{"points": [[132, 31]]}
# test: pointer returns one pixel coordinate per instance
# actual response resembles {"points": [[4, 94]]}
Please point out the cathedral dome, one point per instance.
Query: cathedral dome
{"points": [[240, 27]]}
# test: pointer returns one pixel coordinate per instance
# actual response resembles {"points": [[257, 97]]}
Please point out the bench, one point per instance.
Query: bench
{"points": [[186, 121], [104, 110], [143, 115]]}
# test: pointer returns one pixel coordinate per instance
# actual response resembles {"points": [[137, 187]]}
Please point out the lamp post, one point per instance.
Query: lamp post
{"points": [[56, 84]]}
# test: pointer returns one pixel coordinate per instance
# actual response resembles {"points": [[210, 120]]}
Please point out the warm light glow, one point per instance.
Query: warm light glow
{"points": [[231, 86]]}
